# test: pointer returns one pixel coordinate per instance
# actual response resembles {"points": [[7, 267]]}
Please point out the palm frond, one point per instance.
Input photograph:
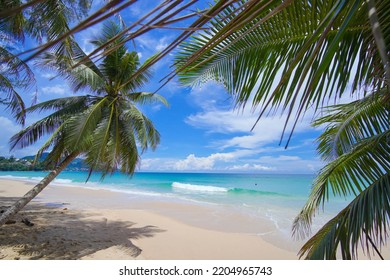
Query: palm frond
{"points": [[34, 132], [15, 75], [101, 155], [365, 221], [86, 76], [349, 174], [141, 126], [127, 148], [81, 126], [144, 98], [67, 105], [12, 100], [65, 109], [108, 10], [380, 40], [350, 123], [52, 141]]}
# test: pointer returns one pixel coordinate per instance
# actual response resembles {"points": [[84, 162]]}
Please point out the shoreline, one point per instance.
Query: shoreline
{"points": [[70, 225]]}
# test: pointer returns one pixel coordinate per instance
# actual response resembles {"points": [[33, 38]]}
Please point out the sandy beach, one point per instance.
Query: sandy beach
{"points": [[78, 223]]}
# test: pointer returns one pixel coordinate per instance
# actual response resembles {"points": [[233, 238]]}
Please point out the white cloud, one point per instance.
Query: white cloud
{"points": [[162, 44], [250, 167], [268, 129], [215, 161], [288, 158], [193, 162], [217, 116], [7, 128], [47, 75], [237, 161], [55, 90], [154, 44], [290, 164]]}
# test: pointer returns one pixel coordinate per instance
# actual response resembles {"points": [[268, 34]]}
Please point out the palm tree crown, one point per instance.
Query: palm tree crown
{"points": [[105, 127]]}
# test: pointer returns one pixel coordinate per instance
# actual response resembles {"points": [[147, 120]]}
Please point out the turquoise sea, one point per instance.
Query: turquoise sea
{"points": [[275, 198]]}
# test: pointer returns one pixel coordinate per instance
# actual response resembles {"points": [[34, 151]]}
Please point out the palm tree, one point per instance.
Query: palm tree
{"points": [[289, 56], [38, 20], [106, 128]]}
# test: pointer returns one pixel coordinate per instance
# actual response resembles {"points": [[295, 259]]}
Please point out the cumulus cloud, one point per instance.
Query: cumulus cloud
{"points": [[237, 161], [250, 167], [193, 162]]}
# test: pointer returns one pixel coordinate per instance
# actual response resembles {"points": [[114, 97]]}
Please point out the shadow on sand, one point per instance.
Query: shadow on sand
{"points": [[59, 233]]}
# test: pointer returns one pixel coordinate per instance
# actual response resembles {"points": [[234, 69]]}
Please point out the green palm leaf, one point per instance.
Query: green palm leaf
{"points": [[65, 109], [364, 221], [279, 62], [349, 174], [356, 141], [42, 20], [351, 123], [144, 98], [15, 75], [82, 125]]}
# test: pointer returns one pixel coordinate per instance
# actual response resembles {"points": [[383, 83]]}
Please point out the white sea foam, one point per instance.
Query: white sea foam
{"points": [[13, 177], [197, 188], [272, 218], [36, 179], [63, 181]]}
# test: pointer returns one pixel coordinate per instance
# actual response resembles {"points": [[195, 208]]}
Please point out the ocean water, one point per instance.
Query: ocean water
{"points": [[275, 199]]}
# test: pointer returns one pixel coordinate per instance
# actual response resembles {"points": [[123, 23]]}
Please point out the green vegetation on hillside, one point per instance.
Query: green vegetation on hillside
{"points": [[15, 164]]}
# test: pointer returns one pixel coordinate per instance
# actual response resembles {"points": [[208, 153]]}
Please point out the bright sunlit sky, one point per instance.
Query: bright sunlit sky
{"points": [[200, 131]]}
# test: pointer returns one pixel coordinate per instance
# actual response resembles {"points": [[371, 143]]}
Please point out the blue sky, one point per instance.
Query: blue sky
{"points": [[200, 131]]}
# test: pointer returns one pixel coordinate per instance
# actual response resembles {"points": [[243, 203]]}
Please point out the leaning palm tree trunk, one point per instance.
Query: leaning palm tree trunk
{"points": [[36, 190]]}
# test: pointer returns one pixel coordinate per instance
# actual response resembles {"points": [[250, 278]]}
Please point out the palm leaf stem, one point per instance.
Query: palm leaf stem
{"points": [[105, 47], [380, 42], [18, 9], [95, 18], [373, 245], [206, 17]]}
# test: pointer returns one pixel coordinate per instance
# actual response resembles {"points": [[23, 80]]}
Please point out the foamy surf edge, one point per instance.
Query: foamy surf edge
{"points": [[197, 188]]}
